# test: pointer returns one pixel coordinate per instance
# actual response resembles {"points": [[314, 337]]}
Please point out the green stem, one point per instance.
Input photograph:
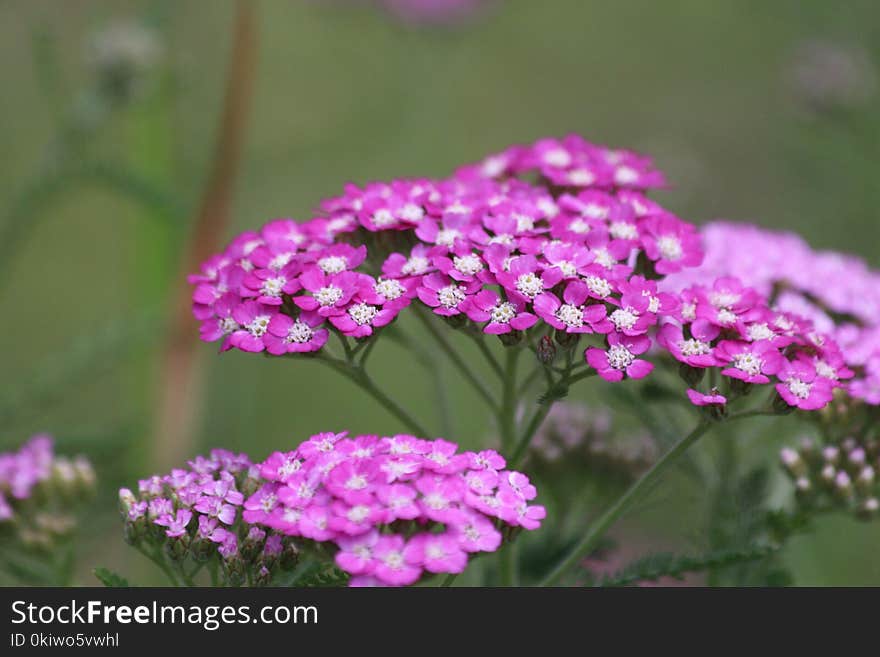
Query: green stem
{"points": [[448, 580], [359, 376], [507, 564], [591, 539], [457, 360], [160, 562], [488, 355], [507, 414], [535, 423]]}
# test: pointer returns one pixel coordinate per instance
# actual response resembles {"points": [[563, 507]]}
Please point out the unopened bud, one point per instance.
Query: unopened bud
{"points": [[843, 484], [566, 340], [546, 350], [828, 474], [831, 455], [803, 486], [865, 480], [868, 509], [793, 462]]}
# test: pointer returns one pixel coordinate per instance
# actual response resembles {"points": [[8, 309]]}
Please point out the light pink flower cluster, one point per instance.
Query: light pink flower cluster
{"points": [[200, 503], [396, 507], [34, 465], [832, 298], [575, 249]]}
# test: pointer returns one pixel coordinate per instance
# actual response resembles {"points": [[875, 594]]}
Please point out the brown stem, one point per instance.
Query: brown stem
{"points": [[180, 381]]}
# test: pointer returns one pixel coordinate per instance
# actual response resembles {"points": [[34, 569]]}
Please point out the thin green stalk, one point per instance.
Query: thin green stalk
{"points": [[487, 354], [535, 423], [591, 539], [507, 414], [457, 360], [448, 580], [161, 563], [359, 376]]}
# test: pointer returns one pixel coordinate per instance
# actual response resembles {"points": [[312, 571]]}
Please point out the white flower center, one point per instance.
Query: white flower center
{"points": [[299, 333], [670, 247], [501, 239], [625, 175], [394, 560], [759, 332], [748, 363], [415, 265], [272, 286], [798, 388], [227, 325], [571, 316], [689, 311], [450, 296], [259, 325], [503, 312], [468, 265], [332, 264], [447, 236], [598, 286], [290, 467], [435, 501], [604, 258], [358, 513], [435, 551], [524, 223], [412, 213], [567, 268], [268, 503], [694, 347], [529, 285], [726, 316], [557, 157], [623, 231], [390, 289], [624, 318], [579, 226], [280, 261], [581, 177], [619, 357], [383, 217], [329, 295], [825, 370], [363, 313], [723, 299]]}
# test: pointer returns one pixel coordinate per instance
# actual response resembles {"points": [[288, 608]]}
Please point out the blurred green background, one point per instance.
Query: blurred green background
{"points": [[758, 111]]}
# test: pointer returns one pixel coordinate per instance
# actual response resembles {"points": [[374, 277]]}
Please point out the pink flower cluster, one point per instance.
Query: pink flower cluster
{"points": [[575, 249], [200, 503], [33, 464], [396, 507], [833, 299], [730, 326]]}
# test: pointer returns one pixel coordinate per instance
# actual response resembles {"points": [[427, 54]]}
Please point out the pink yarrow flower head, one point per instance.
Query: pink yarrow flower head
{"points": [[396, 508]]}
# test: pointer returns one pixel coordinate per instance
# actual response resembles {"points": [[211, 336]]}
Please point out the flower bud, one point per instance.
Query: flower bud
{"points": [[566, 340], [865, 480], [803, 486], [843, 484], [511, 339], [868, 509], [831, 454], [546, 350], [828, 473], [856, 456], [793, 462]]}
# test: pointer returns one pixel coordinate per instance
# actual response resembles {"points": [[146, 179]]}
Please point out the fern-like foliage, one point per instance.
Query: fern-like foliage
{"points": [[663, 564]]}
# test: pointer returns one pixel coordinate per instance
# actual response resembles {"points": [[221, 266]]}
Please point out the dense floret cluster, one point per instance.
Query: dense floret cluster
{"points": [[833, 298], [397, 507]]}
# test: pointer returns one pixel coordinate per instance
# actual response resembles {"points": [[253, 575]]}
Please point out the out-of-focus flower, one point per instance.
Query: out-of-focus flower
{"points": [[40, 493], [826, 75]]}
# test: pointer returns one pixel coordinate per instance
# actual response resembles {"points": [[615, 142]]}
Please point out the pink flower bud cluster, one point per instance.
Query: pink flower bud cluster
{"points": [[842, 475], [197, 510], [396, 507], [35, 467]]}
